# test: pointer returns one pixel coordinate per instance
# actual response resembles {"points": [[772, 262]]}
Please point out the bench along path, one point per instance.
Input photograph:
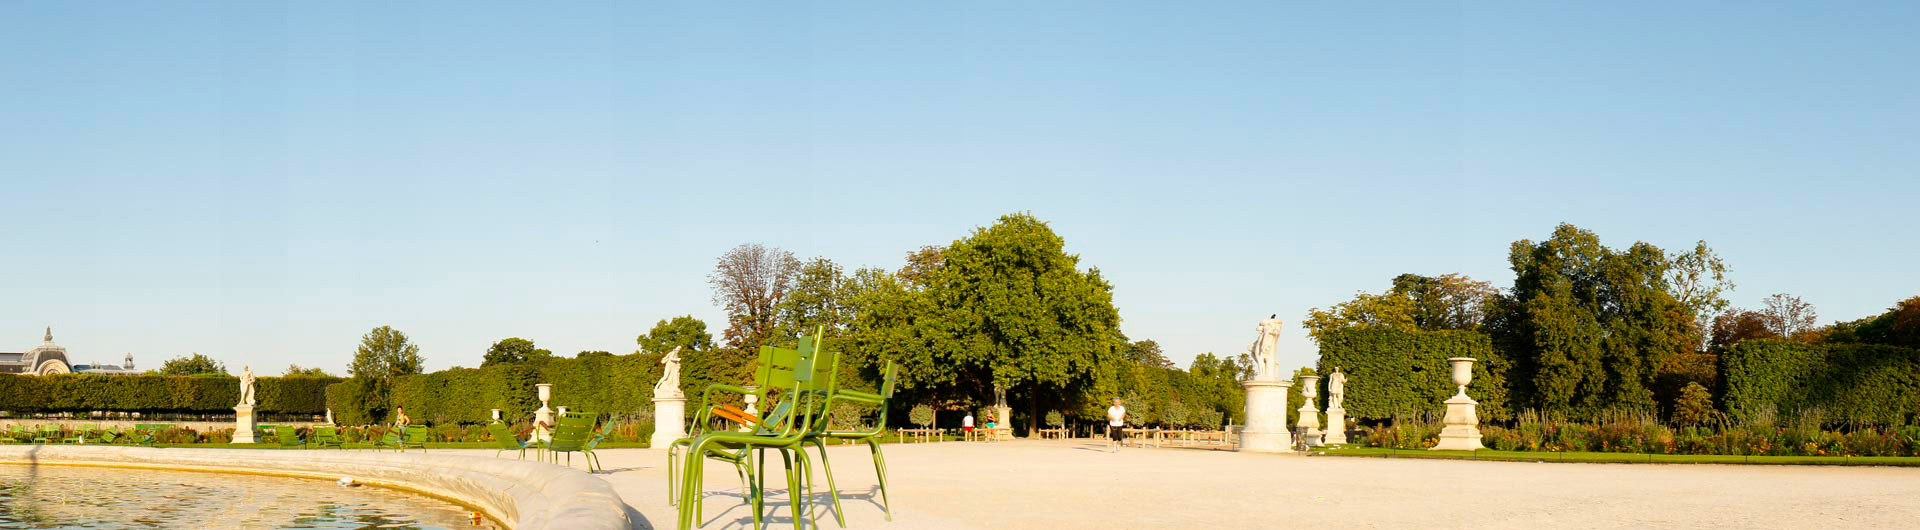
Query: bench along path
{"points": [[1057, 484]]}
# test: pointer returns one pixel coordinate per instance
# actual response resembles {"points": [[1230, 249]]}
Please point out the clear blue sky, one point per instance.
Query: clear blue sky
{"points": [[264, 183]]}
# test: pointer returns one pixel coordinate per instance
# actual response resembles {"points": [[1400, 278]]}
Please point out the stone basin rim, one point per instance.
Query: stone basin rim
{"points": [[519, 494]]}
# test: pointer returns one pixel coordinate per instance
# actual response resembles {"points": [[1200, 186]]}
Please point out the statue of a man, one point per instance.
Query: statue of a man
{"points": [[1264, 349], [246, 385], [1336, 389], [669, 385]]}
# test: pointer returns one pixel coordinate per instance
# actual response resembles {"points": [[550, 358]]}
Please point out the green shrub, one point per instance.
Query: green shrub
{"points": [[1392, 371], [148, 393], [1858, 384], [614, 385]]}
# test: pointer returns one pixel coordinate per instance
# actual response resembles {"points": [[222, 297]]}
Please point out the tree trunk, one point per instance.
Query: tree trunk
{"points": [[1033, 431]]}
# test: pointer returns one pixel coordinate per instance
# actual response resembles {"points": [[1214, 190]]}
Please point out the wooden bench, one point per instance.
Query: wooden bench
{"points": [[919, 435], [1200, 439], [1055, 433], [1143, 437]]}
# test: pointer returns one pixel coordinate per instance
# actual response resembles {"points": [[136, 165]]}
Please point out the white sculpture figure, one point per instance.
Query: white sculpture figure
{"points": [[669, 385], [246, 385], [1336, 389], [1264, 348], [329, 415]]}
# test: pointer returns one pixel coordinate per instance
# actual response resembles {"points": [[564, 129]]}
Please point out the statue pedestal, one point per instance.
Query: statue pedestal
{"points": [[243, 424], [1336, 426], [1309, 423], [543, 416], [669, 421], [1462, 432], [1266, 430]]}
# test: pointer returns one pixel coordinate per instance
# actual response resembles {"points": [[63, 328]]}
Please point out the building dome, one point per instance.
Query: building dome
{"points": [[47, 359]]}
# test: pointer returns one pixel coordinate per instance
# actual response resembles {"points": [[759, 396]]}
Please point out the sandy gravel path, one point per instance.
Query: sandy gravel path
{"points": [[1069, 484]]}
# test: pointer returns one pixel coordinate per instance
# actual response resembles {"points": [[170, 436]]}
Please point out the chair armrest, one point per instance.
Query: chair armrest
{"points": [[859, 394]]}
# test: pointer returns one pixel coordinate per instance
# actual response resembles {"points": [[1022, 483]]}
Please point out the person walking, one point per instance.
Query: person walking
{"points": [[1116, 425]]}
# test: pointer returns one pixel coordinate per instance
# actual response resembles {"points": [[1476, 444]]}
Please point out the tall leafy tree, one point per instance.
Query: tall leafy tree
{"points": [[748, 282], [294, 370], [1147, 352], [384, 355], [817, 298], [1737, 325], [685, 332], [1432, 303], [1022, 308], [194, 364], [1590, 327], [515, 350]]}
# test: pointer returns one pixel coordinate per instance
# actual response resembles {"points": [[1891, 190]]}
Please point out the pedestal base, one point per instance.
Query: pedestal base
{"points": [[543, 416], [243, 424], [1462, 432], [1336, 426], [669, 421], [1266, 430], [1309, 424]]}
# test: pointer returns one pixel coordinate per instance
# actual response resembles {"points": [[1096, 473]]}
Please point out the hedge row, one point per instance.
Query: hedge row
{"points": [[1852, 384], [616, 385], [158, 393], [1392, 371]]}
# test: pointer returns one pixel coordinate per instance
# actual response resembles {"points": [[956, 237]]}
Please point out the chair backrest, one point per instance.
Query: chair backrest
{"points": [[326, 434], [417, 434], [502, 437], [287, 434]]}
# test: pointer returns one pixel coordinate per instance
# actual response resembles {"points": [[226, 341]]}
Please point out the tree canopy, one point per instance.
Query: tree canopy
{"points": [[384, 355], [685, 332], [193, 364], [515, 350], [294, 370], [749, 282]]}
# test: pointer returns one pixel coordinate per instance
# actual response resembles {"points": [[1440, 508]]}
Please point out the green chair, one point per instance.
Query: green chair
{"points": [[792, 373], [391, 439], [570, 436], [415, 436], [504, 440], [703, 416], [324, 437], [109, 436], [141, 436], [49, 433], [11, 434], [288, 436], [79, 436], [872, 438]]}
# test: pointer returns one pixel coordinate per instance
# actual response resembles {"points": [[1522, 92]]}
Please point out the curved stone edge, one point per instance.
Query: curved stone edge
{"points": [[521, 494]]}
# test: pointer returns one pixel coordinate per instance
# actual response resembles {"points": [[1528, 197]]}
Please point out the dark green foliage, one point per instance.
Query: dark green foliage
{"points": [[158, 394], [514, 350], [1588, 327], [1395, 371], [192, 365], [1854, 384], [618, 386], [1899, 326], [1694, 407], [684, 332]]}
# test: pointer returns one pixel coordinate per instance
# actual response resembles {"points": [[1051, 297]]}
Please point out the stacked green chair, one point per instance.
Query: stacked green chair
{"points": [[791, 380], [142, 436], [872, 437], [328, 436], [391, 439], [704, 415], [11, 434], [415, 436], [79, 436], [108, 436], [49, 433], [504, 440]]}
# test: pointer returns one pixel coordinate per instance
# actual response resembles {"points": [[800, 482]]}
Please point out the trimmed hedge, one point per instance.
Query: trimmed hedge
{"points": [[1393, 371], [1852, 384], [616, 385], [158, 394]]}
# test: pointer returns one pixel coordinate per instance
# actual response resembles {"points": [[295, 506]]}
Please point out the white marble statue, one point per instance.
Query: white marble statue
{"points": [[669, 384], [246, 386], [1266, 364], [1336, 389]]}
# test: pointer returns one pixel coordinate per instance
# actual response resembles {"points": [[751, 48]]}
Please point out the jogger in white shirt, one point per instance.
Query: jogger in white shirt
{"points": [[1116, 425]]}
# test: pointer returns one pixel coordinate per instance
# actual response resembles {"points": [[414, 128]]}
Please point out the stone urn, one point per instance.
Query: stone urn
{"points": [[1462, 431]]}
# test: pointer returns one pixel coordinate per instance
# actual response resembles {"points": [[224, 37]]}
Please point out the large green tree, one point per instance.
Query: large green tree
{"points": [[684, 332], [515, 350], [1589, 327], [194, 364], [817, 298], [1024, 310], [384, 355], [1415, 302]]}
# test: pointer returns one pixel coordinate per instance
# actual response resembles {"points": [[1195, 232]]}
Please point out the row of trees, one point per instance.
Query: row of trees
{"points": [[1586, 328]]}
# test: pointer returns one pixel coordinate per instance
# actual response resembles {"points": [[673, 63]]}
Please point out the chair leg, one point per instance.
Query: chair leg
{"points": [[833, 490], [880, 468], [793, 491], [806, 467]]}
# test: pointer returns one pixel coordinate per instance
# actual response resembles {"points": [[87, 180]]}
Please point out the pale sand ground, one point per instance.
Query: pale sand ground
{"points": [[1068, 484]]}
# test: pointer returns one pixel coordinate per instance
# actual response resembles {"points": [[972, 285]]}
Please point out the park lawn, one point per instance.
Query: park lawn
{"points": [[1620, 458]]}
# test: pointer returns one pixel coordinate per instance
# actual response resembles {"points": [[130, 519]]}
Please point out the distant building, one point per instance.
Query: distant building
{"points": [[50, 358]]}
